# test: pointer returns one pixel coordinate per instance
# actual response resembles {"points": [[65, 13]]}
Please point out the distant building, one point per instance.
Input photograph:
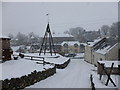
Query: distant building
{"points": [[34, 48], [23, 49], [70, 47], [59, 38], [5, 50], [82, 47], [101, 49]]}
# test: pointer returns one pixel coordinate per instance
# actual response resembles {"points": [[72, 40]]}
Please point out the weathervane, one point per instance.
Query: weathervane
{"points": [[47, 16]]}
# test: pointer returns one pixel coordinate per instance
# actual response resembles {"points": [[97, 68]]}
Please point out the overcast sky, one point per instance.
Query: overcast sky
{"points": [[31, 16]]}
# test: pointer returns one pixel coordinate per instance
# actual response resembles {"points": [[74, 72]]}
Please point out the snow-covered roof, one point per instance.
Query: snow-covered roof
{"points": [[106, 49], [83, 44], [109, 63], [70, 43], [61, 35], [94, 42], [3, 36]]}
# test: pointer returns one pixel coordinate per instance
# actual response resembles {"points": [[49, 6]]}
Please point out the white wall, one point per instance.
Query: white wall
{"points": [[113, 53], [88, 54], [98, 56]]}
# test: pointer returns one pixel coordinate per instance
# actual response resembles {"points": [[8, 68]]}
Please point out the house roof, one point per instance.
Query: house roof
{"points": [[83, 44], [106, 49], [109, 63], [4, 37], [96, 41], [61, 35], [70, 43]]}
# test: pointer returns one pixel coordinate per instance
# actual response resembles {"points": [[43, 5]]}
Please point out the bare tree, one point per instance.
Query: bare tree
{"points": [[114, 30], [105, 30]]}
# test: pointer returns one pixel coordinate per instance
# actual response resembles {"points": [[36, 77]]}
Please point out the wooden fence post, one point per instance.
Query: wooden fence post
{"points": [[92, 84]]}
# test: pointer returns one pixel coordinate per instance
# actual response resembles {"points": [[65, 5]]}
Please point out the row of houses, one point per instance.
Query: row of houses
{"points": [[64, 47], [63, 43], [102, 49]]}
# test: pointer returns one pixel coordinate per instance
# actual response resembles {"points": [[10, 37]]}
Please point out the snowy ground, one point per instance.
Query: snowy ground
{"points": [[76, 75], [78, 56], [47, 55], [101, 83], [59, 60], [72, 76], [56, 59], [20, 67]]}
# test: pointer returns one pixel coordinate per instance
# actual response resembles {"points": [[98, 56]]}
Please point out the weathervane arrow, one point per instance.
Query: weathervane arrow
{"points": [[48, 16]]}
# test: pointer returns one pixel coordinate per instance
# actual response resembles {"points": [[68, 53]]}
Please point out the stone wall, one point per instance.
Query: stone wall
{"points": [[27, 80], [62, 66]]}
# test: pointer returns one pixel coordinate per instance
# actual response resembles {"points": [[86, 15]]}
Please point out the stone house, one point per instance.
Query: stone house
{"points": [[70, 47], [5, 49], [90, 47], [106, 53], [101, 49]]}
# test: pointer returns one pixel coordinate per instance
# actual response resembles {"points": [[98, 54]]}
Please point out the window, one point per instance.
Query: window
{"points": [[65, 45], [75, 45]]}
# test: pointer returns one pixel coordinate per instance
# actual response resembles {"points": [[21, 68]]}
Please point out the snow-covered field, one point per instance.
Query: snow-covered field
{"points": [[20, 67], [76, 75]]}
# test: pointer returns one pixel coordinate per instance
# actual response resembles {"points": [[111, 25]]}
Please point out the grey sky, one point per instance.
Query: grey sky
{"points": [[31, 16], [0, 18]]}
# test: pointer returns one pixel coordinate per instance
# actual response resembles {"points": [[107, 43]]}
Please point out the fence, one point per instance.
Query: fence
{"points": [[92, 84], [31, 58]]}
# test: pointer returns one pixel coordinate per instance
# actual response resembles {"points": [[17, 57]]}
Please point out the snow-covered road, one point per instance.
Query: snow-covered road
{"points": [[75, 75]]}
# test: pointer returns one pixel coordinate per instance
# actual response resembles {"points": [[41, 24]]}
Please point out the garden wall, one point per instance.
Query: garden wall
{"points": [[62, 66], [27, 80]]}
